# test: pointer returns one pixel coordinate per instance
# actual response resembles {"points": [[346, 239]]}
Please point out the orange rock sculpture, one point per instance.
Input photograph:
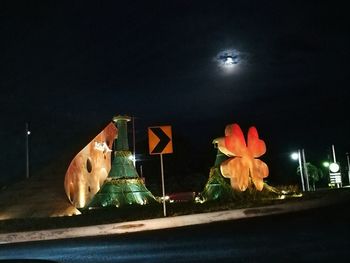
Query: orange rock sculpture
{"points": [[90, 167]]}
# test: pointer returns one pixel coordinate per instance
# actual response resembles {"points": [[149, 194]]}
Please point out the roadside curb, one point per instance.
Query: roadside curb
{"points": [[160, 223]]}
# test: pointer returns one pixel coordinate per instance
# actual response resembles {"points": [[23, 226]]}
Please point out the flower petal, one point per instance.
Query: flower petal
{"points": [[258, 172], [256, 146], [237, 170], [234, 140]]}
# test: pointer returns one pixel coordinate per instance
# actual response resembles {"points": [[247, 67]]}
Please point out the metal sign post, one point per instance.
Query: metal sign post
{"points": [[160, 142], [163, 187]]}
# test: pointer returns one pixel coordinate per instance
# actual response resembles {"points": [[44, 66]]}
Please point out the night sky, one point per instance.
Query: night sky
{"points": [[68, 68]]}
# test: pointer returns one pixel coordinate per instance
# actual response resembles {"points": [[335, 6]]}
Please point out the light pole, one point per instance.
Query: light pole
{"points": [[27, 149], [306, 171], [133, 141], [297, 156], [347, 158]]}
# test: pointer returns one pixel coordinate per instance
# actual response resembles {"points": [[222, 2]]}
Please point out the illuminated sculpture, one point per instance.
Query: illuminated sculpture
{"points": [[89, 168], [237, 161], [123, 186], [244, 169], [217, 188]]}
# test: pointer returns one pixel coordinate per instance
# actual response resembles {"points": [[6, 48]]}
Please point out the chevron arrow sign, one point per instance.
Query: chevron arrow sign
{"points": [[160, 140]]}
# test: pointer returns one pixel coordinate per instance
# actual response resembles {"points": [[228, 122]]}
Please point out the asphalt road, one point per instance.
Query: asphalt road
{"points": [[319, 235]]}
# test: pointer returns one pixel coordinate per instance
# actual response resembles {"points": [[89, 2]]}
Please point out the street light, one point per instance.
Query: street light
{"points": [[300, 155], [297, 156], [294, 156]]}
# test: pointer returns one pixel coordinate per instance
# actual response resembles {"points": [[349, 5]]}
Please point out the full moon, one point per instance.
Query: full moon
{"points": [[228, 59]]}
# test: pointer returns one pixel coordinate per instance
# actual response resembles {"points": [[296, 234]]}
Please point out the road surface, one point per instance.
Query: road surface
{"points": [[318, 235]]}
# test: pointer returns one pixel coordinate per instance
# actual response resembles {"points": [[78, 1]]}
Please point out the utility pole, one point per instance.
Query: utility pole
{"points": [[27, 149]]}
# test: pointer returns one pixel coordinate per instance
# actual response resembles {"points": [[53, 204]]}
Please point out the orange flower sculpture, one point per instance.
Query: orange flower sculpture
{"points": [[244, 169]]}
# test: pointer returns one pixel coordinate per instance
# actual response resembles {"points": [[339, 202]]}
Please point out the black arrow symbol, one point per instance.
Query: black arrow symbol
{"points": [[163, 140]]}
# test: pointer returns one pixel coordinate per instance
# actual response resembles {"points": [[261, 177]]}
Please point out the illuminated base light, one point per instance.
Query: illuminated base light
{"points": [[141, 201], [82, 198], [298, 195], [132, 158], [74, 214], [28, 132], [166, 198], [199, 200]]}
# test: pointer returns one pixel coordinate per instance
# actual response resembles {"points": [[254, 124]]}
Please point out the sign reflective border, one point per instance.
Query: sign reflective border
{"points": [[160, 140]]}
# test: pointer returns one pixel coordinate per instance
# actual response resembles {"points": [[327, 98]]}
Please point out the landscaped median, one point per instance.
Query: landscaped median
{"points": [[319, 200]]}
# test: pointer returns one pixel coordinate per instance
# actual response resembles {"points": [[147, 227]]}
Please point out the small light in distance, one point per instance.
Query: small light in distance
{"points": [[28, 132], [325, 164]]}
